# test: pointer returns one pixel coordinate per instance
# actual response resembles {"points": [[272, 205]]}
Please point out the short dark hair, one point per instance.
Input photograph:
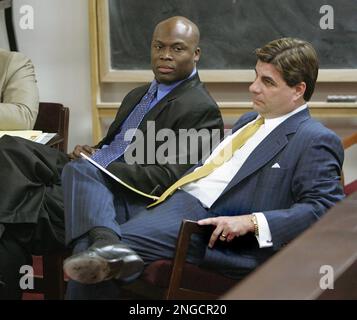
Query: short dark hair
{"points": [[295, 59]]}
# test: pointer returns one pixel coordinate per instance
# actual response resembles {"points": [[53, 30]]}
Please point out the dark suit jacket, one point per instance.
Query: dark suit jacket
{"points": [[291, 197], [188, 106], [31, 198]]}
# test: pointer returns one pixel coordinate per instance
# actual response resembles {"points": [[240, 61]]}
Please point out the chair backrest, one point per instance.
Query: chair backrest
{"points": [[54, 117]]}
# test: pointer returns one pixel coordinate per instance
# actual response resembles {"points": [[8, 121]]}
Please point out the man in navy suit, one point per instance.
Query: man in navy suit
{"points": [[278, 181]]}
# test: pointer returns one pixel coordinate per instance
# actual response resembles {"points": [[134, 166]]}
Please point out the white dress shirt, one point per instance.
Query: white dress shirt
{"points": [[209, 188]]}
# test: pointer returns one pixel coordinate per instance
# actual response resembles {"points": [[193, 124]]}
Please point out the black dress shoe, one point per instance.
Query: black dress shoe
{"points": [[98, 264]]}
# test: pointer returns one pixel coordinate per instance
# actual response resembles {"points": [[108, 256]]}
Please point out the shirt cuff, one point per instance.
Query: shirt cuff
{"points": [[264, 238]]}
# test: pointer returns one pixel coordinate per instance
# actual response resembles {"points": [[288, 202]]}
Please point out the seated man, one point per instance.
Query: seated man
{"points": [[18, 111], [19, 92], [274, 176], [31, 209]]}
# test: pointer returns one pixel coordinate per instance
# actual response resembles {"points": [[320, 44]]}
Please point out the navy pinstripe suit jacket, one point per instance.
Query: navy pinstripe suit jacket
{"points": [[291, 197]]}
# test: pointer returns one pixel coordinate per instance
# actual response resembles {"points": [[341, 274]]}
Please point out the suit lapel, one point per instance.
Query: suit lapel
{"points": [[123, 112], [261, 155], [240, 123], [268, 148], [160, 106], [127, 108]]}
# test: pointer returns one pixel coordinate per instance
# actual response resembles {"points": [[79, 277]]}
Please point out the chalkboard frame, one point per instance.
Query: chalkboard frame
{"points": [[107, 74]]}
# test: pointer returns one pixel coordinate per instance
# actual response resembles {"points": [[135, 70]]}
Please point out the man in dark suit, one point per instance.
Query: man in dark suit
{"points": [[274, 176], [176, 100]]}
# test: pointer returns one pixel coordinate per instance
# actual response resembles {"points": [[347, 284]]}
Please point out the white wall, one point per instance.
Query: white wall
{"points": [[59, 48]]}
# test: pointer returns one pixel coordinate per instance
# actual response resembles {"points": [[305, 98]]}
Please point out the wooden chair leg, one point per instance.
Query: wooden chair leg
{"points": [[175, 291], [53, 277]]}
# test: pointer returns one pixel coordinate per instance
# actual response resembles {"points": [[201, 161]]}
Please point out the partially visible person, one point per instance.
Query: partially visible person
{"points": [[19, 101], [19, 96]]}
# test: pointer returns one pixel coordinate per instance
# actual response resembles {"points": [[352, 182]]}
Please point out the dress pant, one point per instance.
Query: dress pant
{"points": [[91, 200], [12, 257]]}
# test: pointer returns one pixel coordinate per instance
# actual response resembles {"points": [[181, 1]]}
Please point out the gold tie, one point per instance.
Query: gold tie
{"points": [[224, 155]]}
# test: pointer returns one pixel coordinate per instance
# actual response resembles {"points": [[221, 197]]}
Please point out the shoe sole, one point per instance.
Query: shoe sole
{"points": [[87, 270], [93, 269]]}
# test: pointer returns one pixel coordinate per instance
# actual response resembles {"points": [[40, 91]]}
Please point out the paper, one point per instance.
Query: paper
{"points": [[33, 135], [26, 134], [116, 178], [44, 137]]}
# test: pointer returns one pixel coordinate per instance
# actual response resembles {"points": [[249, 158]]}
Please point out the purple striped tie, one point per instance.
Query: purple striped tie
{"points": [[117, 147]]}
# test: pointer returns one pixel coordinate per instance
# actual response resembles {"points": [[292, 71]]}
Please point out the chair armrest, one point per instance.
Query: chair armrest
{"points": [[188, 227], [55, 141]]}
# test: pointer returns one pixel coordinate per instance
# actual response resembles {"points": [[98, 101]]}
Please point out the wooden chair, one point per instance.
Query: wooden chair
{"points": [[52, 117], [176, 279]]}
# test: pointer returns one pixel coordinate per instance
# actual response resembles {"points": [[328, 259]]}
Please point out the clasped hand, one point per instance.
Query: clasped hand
{"points": [[78, 149]]}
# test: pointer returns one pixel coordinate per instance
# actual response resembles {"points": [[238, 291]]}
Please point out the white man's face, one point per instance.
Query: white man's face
{"points": [[271, 95]]}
